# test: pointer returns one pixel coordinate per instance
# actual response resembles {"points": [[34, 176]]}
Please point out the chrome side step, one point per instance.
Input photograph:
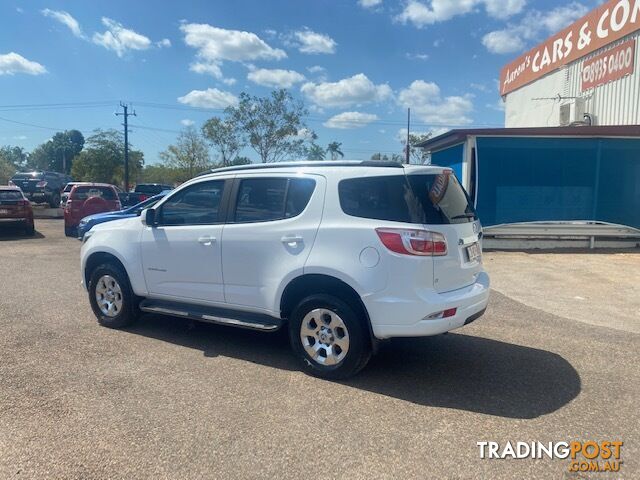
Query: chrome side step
{"points": [[221, 316]]}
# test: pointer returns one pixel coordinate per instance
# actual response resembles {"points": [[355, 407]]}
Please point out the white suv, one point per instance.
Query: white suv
{"points": [[341, 253]]}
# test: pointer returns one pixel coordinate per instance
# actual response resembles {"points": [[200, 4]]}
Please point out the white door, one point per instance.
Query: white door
{"points": [[271, 228], [181, 254]]}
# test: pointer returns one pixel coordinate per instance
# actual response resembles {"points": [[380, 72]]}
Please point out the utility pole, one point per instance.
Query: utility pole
{"points": [[408, 130], [126, 116]]}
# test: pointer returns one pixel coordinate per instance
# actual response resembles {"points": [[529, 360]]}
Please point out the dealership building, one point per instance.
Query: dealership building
{"points": [[567, 163]]}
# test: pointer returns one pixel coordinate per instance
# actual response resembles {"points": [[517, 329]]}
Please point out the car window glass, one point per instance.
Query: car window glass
{"points": [[198, 204], [261, 199], [10, 195], [82, 193], [298, 196]]}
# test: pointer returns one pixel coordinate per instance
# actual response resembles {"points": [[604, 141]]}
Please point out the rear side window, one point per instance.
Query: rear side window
{"points": [[268, 199], [424, 199], [198, 204], [82, 193], [10, 195]]}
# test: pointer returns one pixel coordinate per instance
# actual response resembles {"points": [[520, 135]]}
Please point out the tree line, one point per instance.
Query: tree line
{"points": [[273, 126]]}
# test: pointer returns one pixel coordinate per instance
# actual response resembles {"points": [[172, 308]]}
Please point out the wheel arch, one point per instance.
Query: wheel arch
{"points": [[314, 283], [98, 258]]}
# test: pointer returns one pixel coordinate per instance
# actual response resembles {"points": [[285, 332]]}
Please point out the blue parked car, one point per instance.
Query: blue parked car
{"points": [[87, 222]]}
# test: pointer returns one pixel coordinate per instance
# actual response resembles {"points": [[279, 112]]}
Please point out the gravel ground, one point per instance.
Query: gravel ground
{"points": [[171, 399]]}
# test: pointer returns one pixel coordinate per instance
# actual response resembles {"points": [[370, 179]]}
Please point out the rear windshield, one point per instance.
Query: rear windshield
{"points": [[27, 176], [68, 187], [82, 193], [10, 195], [434, 199]]}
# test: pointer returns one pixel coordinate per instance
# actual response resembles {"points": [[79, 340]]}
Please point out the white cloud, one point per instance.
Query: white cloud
{"points": [[350, 91], [215, 44], [346, 120], [533, 25], [308, 41], [276, 78], [120, 39], [369, 3], [164, 43], [212, 69], [316, 69], [12, 63], [417, 56], [187, 122], [422, 13], [427, 103], [66, 19], [209, 98]]}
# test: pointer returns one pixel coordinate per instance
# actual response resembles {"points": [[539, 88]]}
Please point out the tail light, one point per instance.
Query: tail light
{"points": [[24, 203], [413, 242], [142, 198], [118, 205], [41, 184]]}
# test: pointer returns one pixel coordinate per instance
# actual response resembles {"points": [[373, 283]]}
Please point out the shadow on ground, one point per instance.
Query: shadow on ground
{"points": [[12, 233], [451, 371]]}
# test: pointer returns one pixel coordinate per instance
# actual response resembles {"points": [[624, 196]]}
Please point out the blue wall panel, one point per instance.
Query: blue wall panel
{"points": [[450, 157], [538, 179]]}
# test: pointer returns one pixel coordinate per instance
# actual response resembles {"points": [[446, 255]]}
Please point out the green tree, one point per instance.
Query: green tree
{"points": [[240, 161], [159, 173], [333, 149], [6, 171], [225, 137], [57, 153], [379, 157], [416, 155], [103, 159], [315, 152], [190, 154], [14, 156], [271, 125]]}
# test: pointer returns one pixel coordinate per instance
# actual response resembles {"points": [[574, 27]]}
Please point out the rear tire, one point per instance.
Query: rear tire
{"points": [[30, 230], [329, 337], [112, 299], [54, 201]]}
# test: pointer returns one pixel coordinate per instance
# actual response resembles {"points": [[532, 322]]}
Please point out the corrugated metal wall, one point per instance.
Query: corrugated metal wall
{"points": [[615, 103]]}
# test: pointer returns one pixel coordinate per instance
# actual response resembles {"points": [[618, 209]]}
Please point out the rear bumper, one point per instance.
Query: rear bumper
{"points": [[11, 220], [405, 316]]}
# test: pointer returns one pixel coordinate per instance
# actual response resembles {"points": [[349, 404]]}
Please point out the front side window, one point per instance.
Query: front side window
{"points": [[268, 199], [198, 204]]}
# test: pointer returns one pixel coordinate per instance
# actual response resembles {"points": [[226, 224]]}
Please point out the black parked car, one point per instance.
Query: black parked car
{"points": [[41, 187]]}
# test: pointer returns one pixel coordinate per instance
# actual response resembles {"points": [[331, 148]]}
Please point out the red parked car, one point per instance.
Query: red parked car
{"points": [[88, 199], [15, 209]]}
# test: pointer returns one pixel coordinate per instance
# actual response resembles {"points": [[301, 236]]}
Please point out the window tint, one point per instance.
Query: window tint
{"points": [[198, 204], [84, 192], [265, 199], [10, 195], [424, 199]]}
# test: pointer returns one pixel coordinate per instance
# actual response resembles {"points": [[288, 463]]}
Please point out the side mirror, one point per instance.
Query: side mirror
{"points": [[148, 217]]}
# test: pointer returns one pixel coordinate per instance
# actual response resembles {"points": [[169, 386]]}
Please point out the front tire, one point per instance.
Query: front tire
{"points": [[54, 201], [329, 337], [112, 299]]}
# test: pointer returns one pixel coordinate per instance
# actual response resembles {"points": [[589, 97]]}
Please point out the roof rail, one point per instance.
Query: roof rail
{"points": [[307, 163]]}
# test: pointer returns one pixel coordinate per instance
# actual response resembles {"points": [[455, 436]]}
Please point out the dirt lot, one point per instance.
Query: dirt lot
{"points": [[171, 399]]}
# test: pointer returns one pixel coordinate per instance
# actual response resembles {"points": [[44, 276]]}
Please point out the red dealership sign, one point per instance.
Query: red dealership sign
{"points": [[608, 66], [611, 21]]}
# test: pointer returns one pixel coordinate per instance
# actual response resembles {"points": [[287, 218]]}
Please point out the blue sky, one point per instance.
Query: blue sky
{"points": [[357, 64]]}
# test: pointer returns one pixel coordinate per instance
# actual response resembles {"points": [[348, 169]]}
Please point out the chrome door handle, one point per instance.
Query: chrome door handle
{"points": [[206, 240], [292, 239]]}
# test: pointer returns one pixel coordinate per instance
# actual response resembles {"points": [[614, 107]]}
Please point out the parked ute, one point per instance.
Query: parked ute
{"points": [[88, 199], [41, 187], [15, 209], [87, 223], [64, 196], [342, 254]]}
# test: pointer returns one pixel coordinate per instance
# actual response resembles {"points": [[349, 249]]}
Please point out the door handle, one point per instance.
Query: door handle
{"points": [[292, 239], [206, 240]]}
